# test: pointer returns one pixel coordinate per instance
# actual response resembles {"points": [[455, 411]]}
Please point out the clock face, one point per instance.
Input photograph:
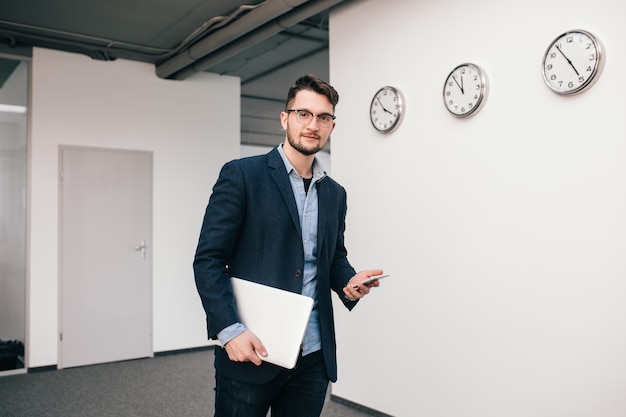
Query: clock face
{"points": [[464, 90], [572, 62], [386, 109]]}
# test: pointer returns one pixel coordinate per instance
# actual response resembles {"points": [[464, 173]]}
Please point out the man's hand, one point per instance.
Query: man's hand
{"points": [[354, 290], [245, 348]]}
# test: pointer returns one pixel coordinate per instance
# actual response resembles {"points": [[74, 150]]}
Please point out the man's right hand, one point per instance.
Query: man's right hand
{"points": [[245, 348]]}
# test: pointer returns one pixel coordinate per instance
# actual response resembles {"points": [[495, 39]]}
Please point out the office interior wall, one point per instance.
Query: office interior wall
{"points": [[13, 91], [191, 127], [504, 233]]}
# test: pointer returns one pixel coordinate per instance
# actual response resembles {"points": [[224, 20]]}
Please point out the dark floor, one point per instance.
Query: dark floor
{"points": [[176, 385]]}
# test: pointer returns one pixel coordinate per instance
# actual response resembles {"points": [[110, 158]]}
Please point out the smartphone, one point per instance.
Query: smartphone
{"points": [[371, 279]]}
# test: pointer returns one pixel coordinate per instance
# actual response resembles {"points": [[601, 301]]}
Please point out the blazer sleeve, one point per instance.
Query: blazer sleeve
{"points": [[221, 227], [341, 270]]}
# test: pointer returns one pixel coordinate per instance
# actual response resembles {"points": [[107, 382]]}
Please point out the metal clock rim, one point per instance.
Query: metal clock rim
{"points": [[398, 120], [599, 61], [483, 90]]}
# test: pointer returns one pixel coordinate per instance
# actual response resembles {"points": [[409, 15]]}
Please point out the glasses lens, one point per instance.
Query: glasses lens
{"points": [[304, 117], [324, 119]]}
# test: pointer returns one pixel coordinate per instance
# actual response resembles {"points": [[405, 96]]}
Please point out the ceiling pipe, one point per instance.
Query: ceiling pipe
{"points": [[253, 37], [268, 10]]}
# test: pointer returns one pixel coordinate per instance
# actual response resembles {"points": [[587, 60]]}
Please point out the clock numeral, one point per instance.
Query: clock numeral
{"points": [[564, 68], [463, 90]]}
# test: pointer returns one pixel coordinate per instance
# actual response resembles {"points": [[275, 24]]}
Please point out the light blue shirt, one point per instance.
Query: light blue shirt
{"points": [[308, 211], [307, 205]]}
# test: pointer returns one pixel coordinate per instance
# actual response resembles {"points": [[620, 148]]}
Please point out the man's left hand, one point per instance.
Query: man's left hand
{"points": [[355, 290]]}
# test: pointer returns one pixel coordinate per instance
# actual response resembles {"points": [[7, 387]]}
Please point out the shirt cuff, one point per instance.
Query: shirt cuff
{"points": [[230, 332]]}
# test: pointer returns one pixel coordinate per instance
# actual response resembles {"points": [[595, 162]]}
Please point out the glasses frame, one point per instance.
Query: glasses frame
{"points": [[317, 116]]}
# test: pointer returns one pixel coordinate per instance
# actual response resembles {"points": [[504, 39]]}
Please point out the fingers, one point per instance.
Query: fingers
{"points": [[356, 289], [348, 295], [259, 348], [354, 292], [245, 348], [372, 272]]}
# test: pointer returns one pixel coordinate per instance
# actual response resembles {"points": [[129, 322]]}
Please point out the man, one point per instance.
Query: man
{"points": [[277, 219]]}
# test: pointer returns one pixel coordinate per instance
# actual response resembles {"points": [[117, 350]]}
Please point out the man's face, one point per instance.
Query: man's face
{"points": [[310, 138]]}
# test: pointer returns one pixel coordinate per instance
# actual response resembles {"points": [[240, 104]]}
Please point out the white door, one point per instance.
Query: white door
{"points": [[105, 263]]}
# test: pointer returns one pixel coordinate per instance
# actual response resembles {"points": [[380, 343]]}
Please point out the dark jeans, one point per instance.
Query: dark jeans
{"points": [[299, 392]]}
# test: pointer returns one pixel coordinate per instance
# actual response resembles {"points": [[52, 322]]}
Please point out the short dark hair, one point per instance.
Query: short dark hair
{"points": [[313, 83]]}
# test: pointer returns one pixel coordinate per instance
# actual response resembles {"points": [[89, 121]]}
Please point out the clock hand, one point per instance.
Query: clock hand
{"points": [[460, 85], [381, 105], [567, 59]]}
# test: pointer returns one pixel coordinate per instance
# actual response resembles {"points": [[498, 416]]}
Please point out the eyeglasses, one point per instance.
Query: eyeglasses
{"points": [[304, 117]]}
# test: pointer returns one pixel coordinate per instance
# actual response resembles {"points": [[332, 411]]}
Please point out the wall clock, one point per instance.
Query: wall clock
{"points": [[465, 90], [572, 62], [387, 109]]}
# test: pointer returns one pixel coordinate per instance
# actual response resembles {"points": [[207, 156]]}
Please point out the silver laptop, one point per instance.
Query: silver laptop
{"points": [[277, 317]]}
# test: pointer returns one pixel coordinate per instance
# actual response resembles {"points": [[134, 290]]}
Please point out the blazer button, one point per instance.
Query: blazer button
{"points": [[298, 273]]}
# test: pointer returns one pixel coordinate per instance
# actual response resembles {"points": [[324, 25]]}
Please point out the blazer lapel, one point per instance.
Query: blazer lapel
{"points": [[323, 200], [279, 173]]}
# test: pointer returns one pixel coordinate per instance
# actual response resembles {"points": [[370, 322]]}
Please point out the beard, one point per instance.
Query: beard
{"points": [[298, 146]]}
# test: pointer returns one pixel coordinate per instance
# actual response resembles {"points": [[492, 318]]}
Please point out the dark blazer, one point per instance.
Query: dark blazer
{"points": [[251, 230]]}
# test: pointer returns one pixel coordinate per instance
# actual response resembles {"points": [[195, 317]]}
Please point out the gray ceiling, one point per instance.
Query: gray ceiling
{"points": [[268, 44]]}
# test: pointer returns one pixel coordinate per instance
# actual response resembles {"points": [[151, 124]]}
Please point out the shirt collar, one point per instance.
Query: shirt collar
{"points": [[318, 171]]}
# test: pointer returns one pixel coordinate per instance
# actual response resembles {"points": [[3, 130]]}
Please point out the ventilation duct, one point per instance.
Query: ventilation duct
{"points": [[270, 18]]}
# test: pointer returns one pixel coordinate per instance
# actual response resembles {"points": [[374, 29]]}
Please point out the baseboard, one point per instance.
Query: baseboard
{"points": [[188, 350], [358, 407], [42, 369], [164, 353]]}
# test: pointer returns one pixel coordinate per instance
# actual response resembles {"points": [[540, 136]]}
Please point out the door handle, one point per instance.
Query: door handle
{"points": [[142, 248]]}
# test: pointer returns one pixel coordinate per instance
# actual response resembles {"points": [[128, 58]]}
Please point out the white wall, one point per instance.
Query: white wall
{"points": [[505, 233], [192, 128]]}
